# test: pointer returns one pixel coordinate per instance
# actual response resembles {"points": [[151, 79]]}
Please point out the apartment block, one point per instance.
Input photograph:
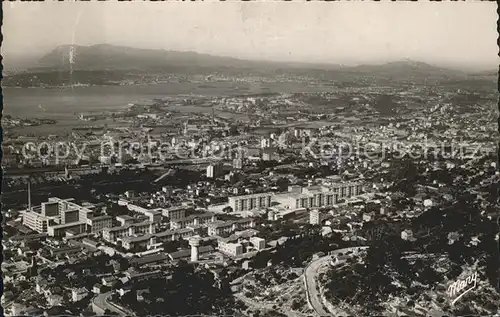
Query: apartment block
{"points": [[193, 220], [159, 237], [174, 213], [97, 224], [62, 213], [250, 202], [50, 209], [125, 220], [112, 234], [317, 196], [154, 215], [224, 227], [60, 229], [231, 249], [69, 216], [215, 170], [235, 244], [36, 221]]}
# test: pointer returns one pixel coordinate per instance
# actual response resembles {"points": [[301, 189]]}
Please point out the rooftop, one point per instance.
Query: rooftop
{"points": [[192, 217], [187, 252], [67, 225], [105, 217], [140, 224], [149, 259]]}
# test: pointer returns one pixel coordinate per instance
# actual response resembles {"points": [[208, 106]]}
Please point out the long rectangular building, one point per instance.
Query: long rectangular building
{"points": [[151, 239], [250, 202], [36, 221], [112, 234], [193, 220], [225, 227], [98, 224], [57, 212], [60, 230], [318, 196]]}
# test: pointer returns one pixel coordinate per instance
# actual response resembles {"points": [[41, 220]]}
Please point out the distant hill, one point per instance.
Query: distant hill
{"points": [[111, 57], [103, 60], [408, 68]]}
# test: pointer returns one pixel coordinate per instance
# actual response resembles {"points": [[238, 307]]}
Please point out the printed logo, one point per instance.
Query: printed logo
{"points": [[461, 287]]}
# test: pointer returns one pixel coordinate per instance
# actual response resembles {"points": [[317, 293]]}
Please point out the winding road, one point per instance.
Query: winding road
{"points": [[102, 301], [312, 288]]}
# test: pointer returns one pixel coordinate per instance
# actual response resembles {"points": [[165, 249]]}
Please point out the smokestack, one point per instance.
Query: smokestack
{"points": [[29, 195]]}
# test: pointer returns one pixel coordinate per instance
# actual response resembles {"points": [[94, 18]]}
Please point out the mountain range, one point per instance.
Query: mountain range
{"points": [[105, 57]]}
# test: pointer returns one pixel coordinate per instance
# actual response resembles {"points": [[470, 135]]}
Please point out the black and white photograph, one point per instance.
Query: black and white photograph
{"points": [[250, 159]]}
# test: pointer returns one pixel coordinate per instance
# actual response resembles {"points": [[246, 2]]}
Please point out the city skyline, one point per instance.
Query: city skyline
{"points": [[263, 31]]}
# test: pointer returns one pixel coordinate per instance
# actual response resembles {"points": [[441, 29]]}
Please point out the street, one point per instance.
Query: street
{"points": [[312, 287], [102, 301]]}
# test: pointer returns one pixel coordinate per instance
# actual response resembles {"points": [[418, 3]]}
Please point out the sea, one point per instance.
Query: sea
{"points": [[64, 104]]}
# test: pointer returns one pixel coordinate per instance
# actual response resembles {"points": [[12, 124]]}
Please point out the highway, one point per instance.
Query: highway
{"points": [[312, 287]]}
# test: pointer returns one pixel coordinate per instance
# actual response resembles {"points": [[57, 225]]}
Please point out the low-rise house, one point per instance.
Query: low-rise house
{"points": [[54, 299], [196, 220], [109, 281], [150, 259], [124, 290], [79, 294], [407, 235], [140, 294], [186, 254], [41, 286], [97, 289]]}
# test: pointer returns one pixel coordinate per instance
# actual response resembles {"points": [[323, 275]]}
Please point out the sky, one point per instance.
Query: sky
{"points": [[447, 33]]}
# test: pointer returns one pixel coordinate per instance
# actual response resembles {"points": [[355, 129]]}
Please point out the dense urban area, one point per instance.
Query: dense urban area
{"points": [[346, 198]]}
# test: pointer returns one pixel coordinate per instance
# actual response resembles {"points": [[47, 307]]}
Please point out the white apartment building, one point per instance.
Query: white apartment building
{"points": [[61, 214], [60, 229], [112, 234], [318, 196], [193, 220], [234, 245], [148, 240], [231, 249], [224, 227], [36, 221], [250, 202], [125, 220]]}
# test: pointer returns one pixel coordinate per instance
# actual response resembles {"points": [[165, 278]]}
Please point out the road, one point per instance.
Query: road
{"points": [[255, 305], [102, 301], [312, 287]]}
